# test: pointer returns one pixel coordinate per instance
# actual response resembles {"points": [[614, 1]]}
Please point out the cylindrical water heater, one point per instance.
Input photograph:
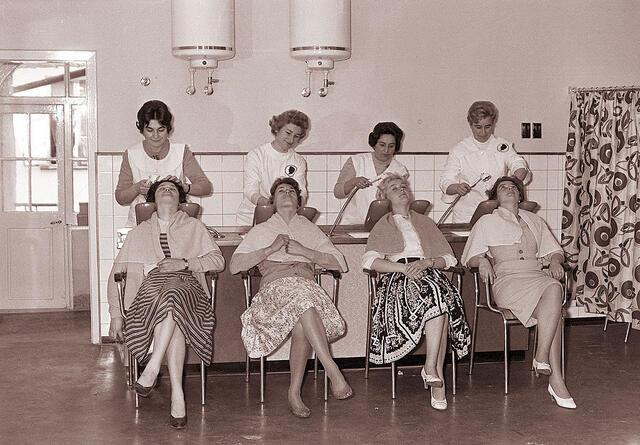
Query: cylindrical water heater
{"points": [[203, 31], [320, 32]]}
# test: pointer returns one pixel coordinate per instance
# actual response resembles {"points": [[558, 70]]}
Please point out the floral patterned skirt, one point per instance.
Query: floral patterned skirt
{"points": [[403, 306], [275, 311]]}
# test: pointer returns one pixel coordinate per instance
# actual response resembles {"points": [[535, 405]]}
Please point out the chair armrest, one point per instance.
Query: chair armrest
{"points": [[336, 274], [456, 270], [253, 272], [371, 273], [121, 280], [120, 277]]}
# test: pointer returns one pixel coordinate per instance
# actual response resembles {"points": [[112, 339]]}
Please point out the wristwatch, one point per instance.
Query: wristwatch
{"points": [[186, 264]]}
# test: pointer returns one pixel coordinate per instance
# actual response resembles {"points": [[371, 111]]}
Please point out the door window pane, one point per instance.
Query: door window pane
{"points": [[32, 79]]}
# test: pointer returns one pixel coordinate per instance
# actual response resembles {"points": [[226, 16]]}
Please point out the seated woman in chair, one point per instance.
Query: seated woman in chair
{"points": [[285, 248], [519, 242], [165, 259], [413, 295]]}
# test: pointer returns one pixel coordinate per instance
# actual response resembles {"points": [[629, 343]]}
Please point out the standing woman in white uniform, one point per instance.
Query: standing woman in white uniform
{"points": [[268, 162], [157, 158], [477, 154], [386, 141]]}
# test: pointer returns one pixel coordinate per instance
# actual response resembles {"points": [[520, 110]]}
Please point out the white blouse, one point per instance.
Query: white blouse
{"points": [[412, 246]]}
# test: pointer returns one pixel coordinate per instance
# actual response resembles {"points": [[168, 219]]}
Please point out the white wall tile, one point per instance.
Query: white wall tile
{"points": [[105, 183], [119, 210], [318, 200], [333, 204], [212, 205], [229, 220], [232, 182], [212, 220], [407, 160], [316, 162], [117, 163], [231, 202], [554, 199], [538, 162], [317, 181], [105, 248], [211, 163], [334, 163], [555, 179], [423, 181], [539, 180], [439, 161], [105, 224], [539, 196], [424, 162], [105, 164], [232, 163], [105, 204]]}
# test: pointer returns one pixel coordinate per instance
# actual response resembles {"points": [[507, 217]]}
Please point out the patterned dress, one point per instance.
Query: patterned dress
{"points": [[177, 292], [402, 307], [276, 308]]}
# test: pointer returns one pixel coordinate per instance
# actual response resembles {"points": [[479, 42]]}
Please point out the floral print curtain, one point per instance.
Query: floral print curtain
{"points": [[600, 218]]}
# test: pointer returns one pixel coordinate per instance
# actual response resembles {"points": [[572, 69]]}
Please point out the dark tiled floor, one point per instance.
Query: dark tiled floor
{"points": [[57, 388]]}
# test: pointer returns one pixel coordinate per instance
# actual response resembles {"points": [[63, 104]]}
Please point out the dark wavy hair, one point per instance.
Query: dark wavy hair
{"points": [[292, 182], [154, 110], [295, 117], [386, 128], [493, 193], [151, 194]]}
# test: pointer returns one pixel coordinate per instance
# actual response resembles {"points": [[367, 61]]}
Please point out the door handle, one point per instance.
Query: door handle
{"points": [[57, 221]]}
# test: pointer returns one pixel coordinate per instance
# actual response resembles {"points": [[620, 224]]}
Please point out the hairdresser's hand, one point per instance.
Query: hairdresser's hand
{"points": [[462, 189], [143, 186], [262, 201], [360, 182]]}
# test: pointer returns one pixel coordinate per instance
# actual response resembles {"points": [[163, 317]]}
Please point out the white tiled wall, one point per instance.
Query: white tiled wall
{"points": [[226, 174]]}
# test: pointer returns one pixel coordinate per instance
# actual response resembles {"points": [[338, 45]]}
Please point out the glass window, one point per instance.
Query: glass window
{"points": [[42, 79]]}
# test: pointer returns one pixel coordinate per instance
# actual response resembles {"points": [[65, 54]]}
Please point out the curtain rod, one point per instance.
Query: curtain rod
{"points": [[590, 89]]}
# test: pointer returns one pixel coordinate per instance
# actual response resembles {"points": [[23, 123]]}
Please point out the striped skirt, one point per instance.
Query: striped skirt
{"points": [[403, 306], [176, 292]]}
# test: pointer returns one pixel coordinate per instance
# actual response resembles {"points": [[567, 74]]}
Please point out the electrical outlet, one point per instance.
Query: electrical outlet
{"points": [[537, 130], [526, 130]]}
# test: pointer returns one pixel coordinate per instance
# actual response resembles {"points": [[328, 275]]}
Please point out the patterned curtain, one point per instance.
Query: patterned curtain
{"points": [[600, 224]]}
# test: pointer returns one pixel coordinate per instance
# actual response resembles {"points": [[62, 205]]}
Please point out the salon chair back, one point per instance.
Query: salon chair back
{"points": [[380, 207], [144, 210], [264, 212], [488, 206]]}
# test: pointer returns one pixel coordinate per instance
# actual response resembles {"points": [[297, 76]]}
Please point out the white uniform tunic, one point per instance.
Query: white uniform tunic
{"points": [[356, 211], [145, 167], [263, 165], [467, 161]]}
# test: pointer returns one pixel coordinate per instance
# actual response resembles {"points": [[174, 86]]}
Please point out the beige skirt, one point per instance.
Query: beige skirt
{"points": [[519, 285]]}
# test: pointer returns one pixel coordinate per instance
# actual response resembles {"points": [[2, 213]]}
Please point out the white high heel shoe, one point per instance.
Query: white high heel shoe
{"points": [[440, 405], [563, 403], [430, 380], [541, 368]]}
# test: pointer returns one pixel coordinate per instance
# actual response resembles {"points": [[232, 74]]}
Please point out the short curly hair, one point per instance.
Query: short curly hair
{"points": [[154, 110], [295, 117], [151, 194], [381, 193], [386, 128], [481, 109], [292, 182]]}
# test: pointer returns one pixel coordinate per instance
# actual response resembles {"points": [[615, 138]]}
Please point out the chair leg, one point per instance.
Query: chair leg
{"points": [[246, 368], [130, 379], [506, 357], [393, 380], [473, 339], [368, 339], [606, 322], [326, 386], [315, 366], [562, 327], [535, 346], [203, 383], [262, 371], [626, 337], [134, 363], [453, 370]]}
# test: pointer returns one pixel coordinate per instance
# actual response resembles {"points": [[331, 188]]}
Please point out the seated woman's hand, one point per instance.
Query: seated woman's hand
{"points": [[414, 270], [486, 271], [115, 329], [295, 248], [556, 270], [171, 265]]}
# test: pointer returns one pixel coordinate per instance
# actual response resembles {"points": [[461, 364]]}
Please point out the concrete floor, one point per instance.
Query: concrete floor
{"points": [[56, 388]]}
